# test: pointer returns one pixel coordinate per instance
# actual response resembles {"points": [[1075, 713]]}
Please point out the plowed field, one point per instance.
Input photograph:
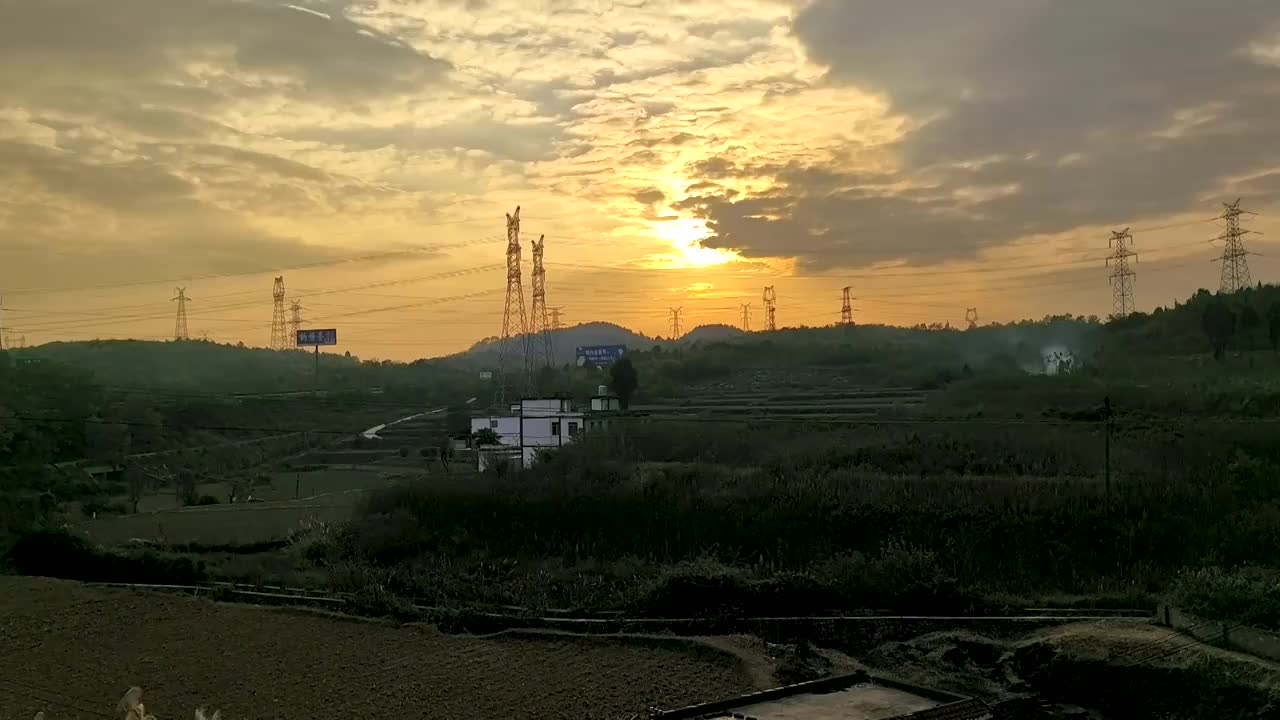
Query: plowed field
{"points": [[72, 650]]}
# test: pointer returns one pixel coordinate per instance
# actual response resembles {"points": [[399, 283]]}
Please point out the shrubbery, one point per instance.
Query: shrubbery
{"points": [[62, 554], [1249, 595]]}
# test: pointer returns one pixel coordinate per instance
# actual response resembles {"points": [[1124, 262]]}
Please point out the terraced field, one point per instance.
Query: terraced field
{"points": [[72, 650]]}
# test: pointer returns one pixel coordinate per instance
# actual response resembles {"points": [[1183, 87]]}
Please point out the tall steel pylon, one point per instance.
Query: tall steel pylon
{"points": [[541, 325], [278, 339], [1121, 244], [846, 307], [556, 312], [676, 327], [3, 332], [514, 320], [295, 322], [746, 317], [180, 322], [770, 309], [1235, 259], [971, 317]]}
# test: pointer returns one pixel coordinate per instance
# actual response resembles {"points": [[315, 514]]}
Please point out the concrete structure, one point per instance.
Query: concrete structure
{"points": [[534, 425]]}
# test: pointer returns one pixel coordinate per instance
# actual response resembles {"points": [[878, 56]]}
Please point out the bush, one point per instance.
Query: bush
{"points": [[207, 500], [62, 554], [1248, 595], [102, 506]]}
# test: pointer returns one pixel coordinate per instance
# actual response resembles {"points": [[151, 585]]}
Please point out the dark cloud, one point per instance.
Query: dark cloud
{"points": [[650, 196], [1039, 116], [79, 42]]}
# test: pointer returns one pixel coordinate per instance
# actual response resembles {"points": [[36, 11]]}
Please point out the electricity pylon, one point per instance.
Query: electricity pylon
{"points": [[770, 309], [746, 317], [295, 322], [1122, 276], [846, 307], [180, 322], [971, 317], [541, 325], [676, 327], [1235, 259], [278, 339], [514, 320]]}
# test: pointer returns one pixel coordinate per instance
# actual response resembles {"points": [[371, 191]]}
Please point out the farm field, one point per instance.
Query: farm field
{"points": [[70, 651]]}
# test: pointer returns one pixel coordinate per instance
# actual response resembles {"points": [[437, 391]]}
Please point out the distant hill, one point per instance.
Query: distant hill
{"points": [[565, 342], [707, 333], [209, 367]]}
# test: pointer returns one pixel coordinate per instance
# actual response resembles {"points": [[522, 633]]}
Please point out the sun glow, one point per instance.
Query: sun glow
{"points": [[686, 236]]}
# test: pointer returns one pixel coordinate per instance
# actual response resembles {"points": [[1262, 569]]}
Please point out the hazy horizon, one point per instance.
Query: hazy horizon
{"points": [[934, 157]]}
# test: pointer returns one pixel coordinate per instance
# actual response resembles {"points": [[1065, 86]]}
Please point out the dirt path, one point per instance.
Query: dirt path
{"points": [[70, 649]]}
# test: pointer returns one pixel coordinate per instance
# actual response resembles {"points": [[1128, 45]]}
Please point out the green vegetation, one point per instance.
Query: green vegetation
{"points": [[624, 381]]}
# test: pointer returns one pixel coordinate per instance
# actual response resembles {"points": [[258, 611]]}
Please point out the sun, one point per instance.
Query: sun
{"points": [[686, 236]]}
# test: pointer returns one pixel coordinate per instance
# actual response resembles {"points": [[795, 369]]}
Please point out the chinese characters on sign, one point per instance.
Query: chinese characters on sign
{"points": [[307, 338], [600, 354]]}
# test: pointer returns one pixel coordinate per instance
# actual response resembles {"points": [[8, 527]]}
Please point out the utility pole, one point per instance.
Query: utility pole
{"points": [[278, 340], [295, 322], [971, 317], [1122, 275], [556, 312], [180, 323], [514, 320], [770, 309], [846, 307], [746, 317], [676, 329], [1235, 259], [541, 326]]}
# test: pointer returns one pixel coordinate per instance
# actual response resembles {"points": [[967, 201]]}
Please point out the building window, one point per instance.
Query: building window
{"points": [[493, 424], [573, 428], [555, 427]]}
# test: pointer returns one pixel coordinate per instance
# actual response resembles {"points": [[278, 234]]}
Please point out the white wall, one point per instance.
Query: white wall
{"points": [[507, 428]]}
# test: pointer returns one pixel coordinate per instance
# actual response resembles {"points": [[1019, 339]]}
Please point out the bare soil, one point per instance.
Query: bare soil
{"points": [[73, 650]]}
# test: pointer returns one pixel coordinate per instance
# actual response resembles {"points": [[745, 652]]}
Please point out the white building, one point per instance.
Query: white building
{"points": [[534, 425]]}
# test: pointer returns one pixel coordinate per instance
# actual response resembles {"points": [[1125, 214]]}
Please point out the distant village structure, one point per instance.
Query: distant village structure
{"points": [[538, 424]]}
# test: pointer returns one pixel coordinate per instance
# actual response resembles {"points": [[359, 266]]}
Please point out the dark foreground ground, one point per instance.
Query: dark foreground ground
{"points": [[73, 650]]}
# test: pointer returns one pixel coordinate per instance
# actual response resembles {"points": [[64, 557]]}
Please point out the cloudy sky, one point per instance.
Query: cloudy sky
{"points": [[932, 154]]}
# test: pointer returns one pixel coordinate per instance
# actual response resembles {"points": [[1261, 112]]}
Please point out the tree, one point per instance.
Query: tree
{"points": [[1273, 325], [1219, 325], [1250, 321], [485, 436], [623, 380]]}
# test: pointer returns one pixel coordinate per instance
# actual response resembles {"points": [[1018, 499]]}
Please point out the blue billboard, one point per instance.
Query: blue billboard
{"points": [[600, 354], [307, 338]]}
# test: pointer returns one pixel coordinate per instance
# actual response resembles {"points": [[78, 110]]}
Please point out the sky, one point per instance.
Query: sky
{"points": [[933, 155]]}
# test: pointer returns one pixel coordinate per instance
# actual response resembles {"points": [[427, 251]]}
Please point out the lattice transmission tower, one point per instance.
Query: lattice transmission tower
{"points": [[295, 322], [541, 324], [846, 307], [770, 309], [278, 339], [180, 322], [556, 313], [746, 317], [677, 328], [971, 317], [514, 320], [1122, 276], [1235, 259], [3, 332]]}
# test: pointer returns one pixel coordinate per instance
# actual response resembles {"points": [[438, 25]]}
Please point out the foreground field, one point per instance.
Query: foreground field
{"points": [[72, 650]]}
